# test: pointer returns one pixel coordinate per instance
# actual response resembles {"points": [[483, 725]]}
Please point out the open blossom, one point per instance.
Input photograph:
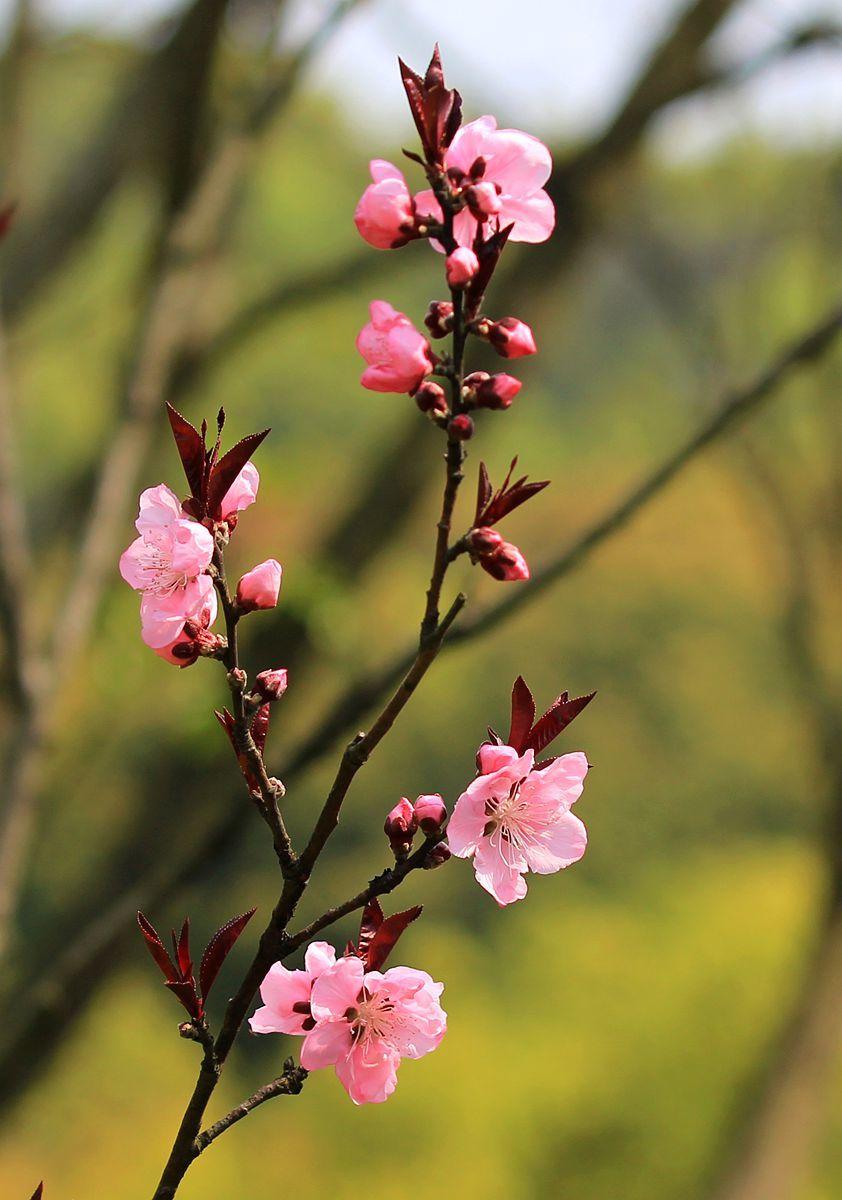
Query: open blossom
{"points": [[399, 357], [286, 994], [385, 214], [170, 551], [163, 618], [516, 167], [513, 818], [367, 1021], [242, 492]]}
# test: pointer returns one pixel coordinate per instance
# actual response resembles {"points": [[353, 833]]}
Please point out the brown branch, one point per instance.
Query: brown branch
{"points": [[288, 1084]]}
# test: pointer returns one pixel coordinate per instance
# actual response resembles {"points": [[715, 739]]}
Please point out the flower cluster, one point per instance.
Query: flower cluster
{"points": [[170, 562], [486, 188], [354, 1017]]}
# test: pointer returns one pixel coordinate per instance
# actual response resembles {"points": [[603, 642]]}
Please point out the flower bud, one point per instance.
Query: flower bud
{"points": [[385, 215], [484, 200], [511, 338], [271, 685], [400, 827], [439, 855], [495, 391], [460, 428], [260, 586], [439, 318], [505, 562], [460, 267], [483, 540], [430, 812], [430, 398]]}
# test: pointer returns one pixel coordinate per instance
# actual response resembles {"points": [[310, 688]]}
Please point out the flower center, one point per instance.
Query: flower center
{"points": [[158, 572]]}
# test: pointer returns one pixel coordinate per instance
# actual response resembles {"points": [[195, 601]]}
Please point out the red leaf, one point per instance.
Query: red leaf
{"points": [[191, 450], [484, 493], [436, 109], [387, 934], [39, 1192], [157, 948], [372, 919], [260, 726], [228, 468], [488, 251], [523, 714], [557, 717], [182, 950], [218, 949], [184, 991], [227, 722]]}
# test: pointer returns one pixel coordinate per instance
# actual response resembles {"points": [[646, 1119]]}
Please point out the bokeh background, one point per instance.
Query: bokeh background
{"points": [[662, 1021]]}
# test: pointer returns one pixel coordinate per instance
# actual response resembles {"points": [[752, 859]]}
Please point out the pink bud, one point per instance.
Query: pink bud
{"points": [[439, 854], [505, 562], [511, 338], [483, 540], [430, 398], [385, 215], [400, 826], [271, 685], [460, 428], [439, 318], [398, 355], [260, 586], [430, 812], [496, 391], [484, 199], [460, 267]]}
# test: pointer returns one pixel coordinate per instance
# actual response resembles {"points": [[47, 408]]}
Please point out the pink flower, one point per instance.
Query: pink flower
{"points": [[398, 355], [162, 618], [259, 587], [516, 164], [170, 552], [492, 391], [430, 812], [194, 635], [385, 215], [270, 685], [242, 492], [461, 266], [366, 1022], [514, 819], [286, 994], [512, 338]]}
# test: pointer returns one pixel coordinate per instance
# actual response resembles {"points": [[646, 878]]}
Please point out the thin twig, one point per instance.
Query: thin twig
{"points": [[288, 1084]]}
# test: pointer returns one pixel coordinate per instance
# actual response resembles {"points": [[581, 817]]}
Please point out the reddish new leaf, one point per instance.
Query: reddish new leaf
{"points": [[228, 468], [184, 991], [157, 948], [557, 717], [436, 109], [39, 1192], [383, 942], [523, 714], [191, 450], [260, 726], [182, 950], [218, 949], [488, 251], [484, 493], [372, 919], [507, 498], [227, 722]]}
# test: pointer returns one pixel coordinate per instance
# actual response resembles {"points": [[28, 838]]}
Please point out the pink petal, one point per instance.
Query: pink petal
{"points": [[318, 958], [158, 506], [382, 169], [369, 1078], [502, 880], [534, 217], [337, 989], [562, 844], [464, 829], [131, 565], [327, 1044]]}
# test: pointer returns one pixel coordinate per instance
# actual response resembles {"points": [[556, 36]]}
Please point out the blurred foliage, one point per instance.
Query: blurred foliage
{"points": [[599, 1031]]}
